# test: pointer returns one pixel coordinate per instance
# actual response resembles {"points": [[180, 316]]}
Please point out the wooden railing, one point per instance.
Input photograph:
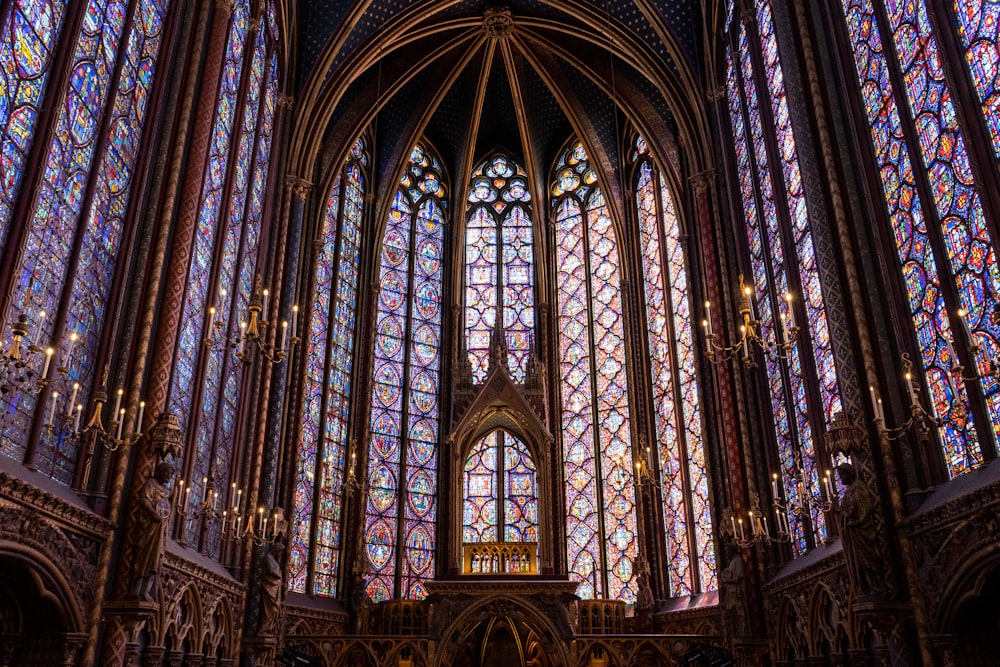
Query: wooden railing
{"points": [[506, 558]]}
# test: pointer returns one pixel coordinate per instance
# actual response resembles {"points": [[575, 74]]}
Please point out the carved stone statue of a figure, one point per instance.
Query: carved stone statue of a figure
{"points": [[271, 580], [732, 584], [859, 536], [149, 531], [644, 604]]}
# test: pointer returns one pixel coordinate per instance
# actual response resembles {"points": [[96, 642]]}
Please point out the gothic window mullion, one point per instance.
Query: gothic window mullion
{"points": [[791, 459], [675, 383], [793, 275], [602, 585], [325, 395], [405, 401], [205, 365], [65, 303], [190, 467], [986, 430]]}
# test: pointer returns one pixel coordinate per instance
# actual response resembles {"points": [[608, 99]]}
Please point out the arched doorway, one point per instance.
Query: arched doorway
{"points": [[36, 627], [513, 640], [975, 625]]}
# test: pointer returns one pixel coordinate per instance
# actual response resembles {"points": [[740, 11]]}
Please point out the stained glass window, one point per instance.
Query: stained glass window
{"points": [[783, 262], [326, 403], [499, 262], [501, 490], [28, 36], [73, 169], [944, 244], [601, 530], [979, 29], [400, 513], [680, 451], [224, 272]]}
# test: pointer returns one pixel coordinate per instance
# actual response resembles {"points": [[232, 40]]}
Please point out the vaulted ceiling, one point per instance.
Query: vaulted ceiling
{"points": [[522, 75]]}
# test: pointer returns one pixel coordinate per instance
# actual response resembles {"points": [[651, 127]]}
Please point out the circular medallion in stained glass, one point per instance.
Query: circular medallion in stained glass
{"points": [[385, 445], [420, 546], [424, 392], [379, 539], [387, 384], [422, 438], [431, 184], [391, 290], [517, 191], [429, 256], [500, 168], [428, 300], [420, 493], [382, 487], [388, 425], [390, 336], [377, 589], [394, 247], [425, 344], [482, 191], [566, 181]]}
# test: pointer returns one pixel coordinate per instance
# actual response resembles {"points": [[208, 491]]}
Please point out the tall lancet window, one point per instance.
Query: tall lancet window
{"points": [[62, 252], [208, 379], [314, 548], [401, 508], [687, 515], [601, 530], [803, 388], [499, 263], [933, 160], [501, 491]]}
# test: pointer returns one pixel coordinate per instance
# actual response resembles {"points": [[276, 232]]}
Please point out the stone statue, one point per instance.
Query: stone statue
{"points": [[271, 581], [644, 605], [149, 531], [732, 582], [859, 536]]}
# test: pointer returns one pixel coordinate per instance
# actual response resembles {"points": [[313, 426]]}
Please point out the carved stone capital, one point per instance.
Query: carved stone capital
{"points": [[702, 181], [224, 6], [299, 187], [286, 101]]}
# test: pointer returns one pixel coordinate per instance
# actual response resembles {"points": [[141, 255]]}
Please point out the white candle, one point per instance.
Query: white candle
{"points": [[260, 518], [215, 500], [38, 328], [48, 360], [72, 400], [746, 346], [266, 294], [732, 520], [295, 318], [187, 494], [265, 528], [121, 421], [69, 349], [708, 317], [52, 408], [741, 529], [962, 313], [204, 491], [79, 412], [239, 522], [284, 335], [142, 409], [791, 310], [243, 335], [881, 410], [118, 401], [753, 525], [239, 501], [871, 392], [774, 485], [753, 311], [909, 390], [222, 299]]}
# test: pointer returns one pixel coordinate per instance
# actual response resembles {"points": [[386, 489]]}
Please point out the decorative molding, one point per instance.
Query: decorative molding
{"points": [[498, 23], [42, 502]]}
